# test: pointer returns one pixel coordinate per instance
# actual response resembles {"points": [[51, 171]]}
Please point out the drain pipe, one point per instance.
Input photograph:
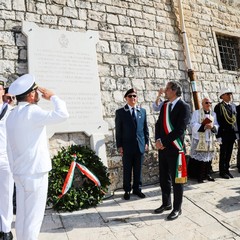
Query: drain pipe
{"points": [[188, 57]]}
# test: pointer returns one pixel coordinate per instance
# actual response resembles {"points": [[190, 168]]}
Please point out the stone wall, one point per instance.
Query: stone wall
{"points": [[140, 46]]}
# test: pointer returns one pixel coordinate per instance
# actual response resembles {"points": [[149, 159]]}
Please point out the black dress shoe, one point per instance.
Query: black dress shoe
{"points": [[174, 215], [200, 181], [139, 194], [7, 236], [230, 175], [162, 209], [210, 178], [126, 195], [225, 176]]}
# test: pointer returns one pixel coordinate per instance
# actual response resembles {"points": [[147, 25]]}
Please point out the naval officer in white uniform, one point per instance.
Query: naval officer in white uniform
{"points": [[28, 152], [6, 179]]}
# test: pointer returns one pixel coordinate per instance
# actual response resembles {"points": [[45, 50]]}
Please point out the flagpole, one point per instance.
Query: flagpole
{"points": [[188, 57]]}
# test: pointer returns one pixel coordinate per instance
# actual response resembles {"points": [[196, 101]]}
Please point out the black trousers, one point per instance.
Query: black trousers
{"points": [[167, 172], [198, 169], [225, 155], [132, 163]]}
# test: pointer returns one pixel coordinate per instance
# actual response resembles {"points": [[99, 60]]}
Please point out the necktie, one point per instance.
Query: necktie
{"points": [[229, 109], [170, 107], [3, 111], [134, 116]]}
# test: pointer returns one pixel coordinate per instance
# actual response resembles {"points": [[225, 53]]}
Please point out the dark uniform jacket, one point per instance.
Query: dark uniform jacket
{"points": [[226, 130], [127, 133], [238, 119]]}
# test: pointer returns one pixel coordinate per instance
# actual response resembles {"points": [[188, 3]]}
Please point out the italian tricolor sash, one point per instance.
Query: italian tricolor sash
{"points": [[181, 168]]}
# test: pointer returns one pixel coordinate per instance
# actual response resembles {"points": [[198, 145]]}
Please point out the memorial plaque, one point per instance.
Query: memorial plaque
{"points": [[66, 62]]}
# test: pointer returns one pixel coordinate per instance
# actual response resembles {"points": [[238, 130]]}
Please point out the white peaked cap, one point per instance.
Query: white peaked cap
{"points": [[22, 85], [223, 91]]}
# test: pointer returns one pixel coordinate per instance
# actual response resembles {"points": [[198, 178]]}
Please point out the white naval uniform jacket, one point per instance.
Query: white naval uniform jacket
{"points": [[6, 179], [3, 140], [27, 143]]}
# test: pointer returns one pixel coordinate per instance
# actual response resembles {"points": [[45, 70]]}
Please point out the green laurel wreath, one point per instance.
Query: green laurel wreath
{"points": [[83, 193]]}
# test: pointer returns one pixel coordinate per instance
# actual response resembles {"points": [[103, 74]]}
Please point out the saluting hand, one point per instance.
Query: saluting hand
{"points": [[161, 91], [46, 94]]}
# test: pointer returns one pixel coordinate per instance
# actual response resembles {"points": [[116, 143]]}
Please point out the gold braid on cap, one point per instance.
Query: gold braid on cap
{"points": [[229, 120]]}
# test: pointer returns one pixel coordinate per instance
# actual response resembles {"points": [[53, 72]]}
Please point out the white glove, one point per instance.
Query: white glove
{"points": [[219, 140]]}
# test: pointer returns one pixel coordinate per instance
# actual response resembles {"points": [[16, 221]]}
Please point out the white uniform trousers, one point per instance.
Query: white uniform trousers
{"points": [[31, 197], [6, 195]]}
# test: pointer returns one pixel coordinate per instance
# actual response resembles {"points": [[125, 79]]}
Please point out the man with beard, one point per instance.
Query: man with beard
{"points": [[169, 134]]}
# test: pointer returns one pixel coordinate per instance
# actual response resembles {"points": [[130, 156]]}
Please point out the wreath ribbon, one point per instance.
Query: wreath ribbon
{"points": [[69, 178]]}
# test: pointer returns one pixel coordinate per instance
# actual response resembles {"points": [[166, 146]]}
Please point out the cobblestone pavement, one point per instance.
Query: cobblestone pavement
{"points": [[210, 210]]}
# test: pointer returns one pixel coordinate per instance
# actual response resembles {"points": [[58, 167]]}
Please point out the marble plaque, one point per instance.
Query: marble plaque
{"points": [[66, 62]]}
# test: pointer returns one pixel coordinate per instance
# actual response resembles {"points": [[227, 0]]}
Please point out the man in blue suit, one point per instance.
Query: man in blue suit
{"points": [[132, 139]]}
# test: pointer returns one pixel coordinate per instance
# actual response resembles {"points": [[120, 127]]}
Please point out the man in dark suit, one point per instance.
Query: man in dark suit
{"points": [[226, 117], [170, 129], [132, 139]]}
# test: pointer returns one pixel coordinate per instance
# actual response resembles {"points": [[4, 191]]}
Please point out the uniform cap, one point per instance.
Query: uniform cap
{"points": [[224, 91], [132, 90], [23, 85]]}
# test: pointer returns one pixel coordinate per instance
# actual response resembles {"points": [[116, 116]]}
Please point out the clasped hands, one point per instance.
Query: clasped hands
{"points": [[208, 126], [159, 145], [120, 149]]}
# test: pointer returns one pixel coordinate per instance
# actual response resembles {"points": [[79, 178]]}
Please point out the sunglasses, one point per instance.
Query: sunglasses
{"points": [[132, 96], [228, 93], [208, 103], [10, 98]]}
